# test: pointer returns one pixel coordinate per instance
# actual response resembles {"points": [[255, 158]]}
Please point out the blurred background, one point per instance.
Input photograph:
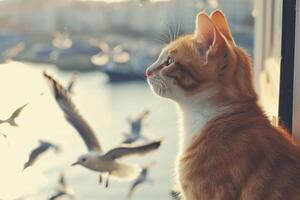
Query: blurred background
{"points": [[106, 45]]}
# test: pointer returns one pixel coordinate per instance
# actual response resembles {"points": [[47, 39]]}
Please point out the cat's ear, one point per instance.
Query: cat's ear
{"points": [[221, 23], [207, 36]]}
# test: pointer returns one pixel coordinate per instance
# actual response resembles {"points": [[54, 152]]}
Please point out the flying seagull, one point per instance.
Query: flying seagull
{"points": [[96, 159], [38, 151], [63, 189], [135, 128], [142, 178], [11, 120]]}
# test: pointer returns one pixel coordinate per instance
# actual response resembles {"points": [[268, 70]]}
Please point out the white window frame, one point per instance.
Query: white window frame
{"points": [[266, 68], [296, 98]]}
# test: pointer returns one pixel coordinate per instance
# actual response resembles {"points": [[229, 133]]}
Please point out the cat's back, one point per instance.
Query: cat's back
{"points": [[241, 157], [275, 170]]}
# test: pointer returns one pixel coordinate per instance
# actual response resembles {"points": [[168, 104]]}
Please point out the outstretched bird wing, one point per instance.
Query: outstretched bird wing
{"points": [[131, 150], [73, 116], [18, 111], [35, 154]]}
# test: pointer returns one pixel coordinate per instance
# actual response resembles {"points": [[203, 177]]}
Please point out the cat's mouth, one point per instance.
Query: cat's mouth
{"points": [[157, 84]]}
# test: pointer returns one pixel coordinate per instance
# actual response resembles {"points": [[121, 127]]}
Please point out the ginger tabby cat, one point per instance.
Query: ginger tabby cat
{"points": [[229, 150]]}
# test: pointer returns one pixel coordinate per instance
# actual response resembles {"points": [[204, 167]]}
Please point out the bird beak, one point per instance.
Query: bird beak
{"points": [[75, 163]]}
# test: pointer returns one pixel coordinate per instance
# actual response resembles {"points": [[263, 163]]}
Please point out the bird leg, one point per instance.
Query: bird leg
{"points": [[107, 180], [100, 178]]}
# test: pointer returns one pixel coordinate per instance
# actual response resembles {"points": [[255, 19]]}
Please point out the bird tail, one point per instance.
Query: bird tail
{"points": [[126, 172], [12, 121]]}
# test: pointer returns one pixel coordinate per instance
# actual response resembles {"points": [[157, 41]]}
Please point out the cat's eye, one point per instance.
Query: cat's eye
{"points": [[169, 61]]}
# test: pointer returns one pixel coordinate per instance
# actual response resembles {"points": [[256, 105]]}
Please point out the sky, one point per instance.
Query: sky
{"points": [[109, 0]]}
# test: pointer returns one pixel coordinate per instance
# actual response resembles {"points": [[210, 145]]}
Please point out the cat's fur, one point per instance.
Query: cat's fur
{"points": [[229, 148]]}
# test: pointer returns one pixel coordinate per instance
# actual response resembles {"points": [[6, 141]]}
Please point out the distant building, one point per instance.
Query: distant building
{"points": [[97, 18]]}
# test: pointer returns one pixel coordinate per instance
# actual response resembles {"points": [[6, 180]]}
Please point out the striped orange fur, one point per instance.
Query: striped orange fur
{"points": [[229, 149]]}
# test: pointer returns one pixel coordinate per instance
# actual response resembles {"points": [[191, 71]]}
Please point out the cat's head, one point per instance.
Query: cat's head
{"points": [[207, 62]]}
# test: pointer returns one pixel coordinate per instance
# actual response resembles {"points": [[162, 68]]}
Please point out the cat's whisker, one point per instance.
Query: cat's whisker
{"points": [[163, 37], [170, 35], [178, 29], [170, 31], [173, 31], [159, 84]]}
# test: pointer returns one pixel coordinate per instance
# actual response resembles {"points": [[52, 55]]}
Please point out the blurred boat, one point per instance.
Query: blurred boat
{"points": [[119, 63], [63, 52], [134, 70], [40, 53], [77, 57], [123, 75], [72, 54]]}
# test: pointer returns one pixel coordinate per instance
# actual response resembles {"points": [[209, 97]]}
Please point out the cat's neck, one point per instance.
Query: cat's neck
{"points": [[196, 112], [192, 122], [194, 115]]}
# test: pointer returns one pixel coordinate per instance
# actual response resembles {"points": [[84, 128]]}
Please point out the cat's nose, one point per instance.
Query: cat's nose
{"points": [[151, 69], [148, 72]]}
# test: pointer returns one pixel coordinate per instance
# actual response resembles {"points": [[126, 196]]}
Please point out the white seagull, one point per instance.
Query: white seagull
{"points": [[96, 159], [136, 126], [142, 178], [11, 120]]}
